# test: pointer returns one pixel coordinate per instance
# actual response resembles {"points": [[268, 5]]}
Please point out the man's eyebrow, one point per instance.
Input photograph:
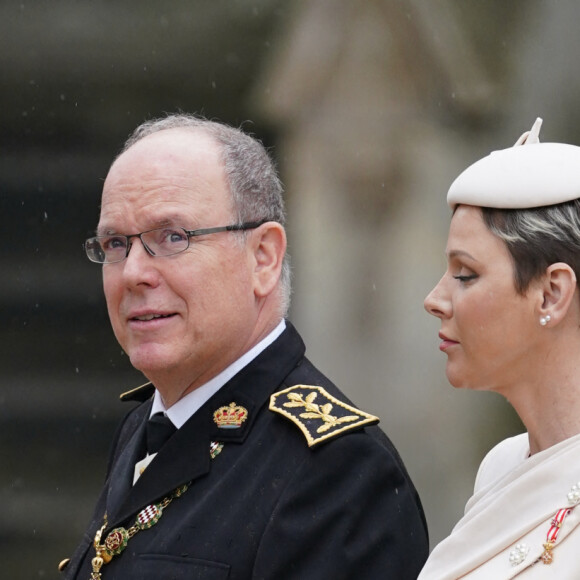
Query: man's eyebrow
{"points": [[103, 231], [158, 223], [166, 221]]}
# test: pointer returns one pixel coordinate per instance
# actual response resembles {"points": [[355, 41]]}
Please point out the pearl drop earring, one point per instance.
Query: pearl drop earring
{"points": [[545, 319]]}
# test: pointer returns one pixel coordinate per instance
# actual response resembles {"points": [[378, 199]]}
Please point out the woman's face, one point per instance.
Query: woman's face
{"points": [[488, 330]]}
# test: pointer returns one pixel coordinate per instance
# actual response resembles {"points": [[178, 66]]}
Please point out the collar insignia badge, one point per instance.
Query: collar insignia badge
{"points": [[230, 417]]}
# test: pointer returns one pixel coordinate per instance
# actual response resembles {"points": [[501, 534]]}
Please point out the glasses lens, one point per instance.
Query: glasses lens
{"points": [[165, 241], [94, 251], [106, 249]]}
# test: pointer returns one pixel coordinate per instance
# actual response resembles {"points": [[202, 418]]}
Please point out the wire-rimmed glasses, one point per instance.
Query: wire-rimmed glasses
{"points": [[159, 242]]}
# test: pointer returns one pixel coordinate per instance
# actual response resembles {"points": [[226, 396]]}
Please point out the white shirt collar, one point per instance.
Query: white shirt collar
{"points": [[181, 411]]}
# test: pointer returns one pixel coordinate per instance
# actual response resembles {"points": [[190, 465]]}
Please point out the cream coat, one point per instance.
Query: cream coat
{"points": [[515, 499]]}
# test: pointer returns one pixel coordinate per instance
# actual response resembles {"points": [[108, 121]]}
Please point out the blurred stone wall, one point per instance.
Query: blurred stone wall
{"points": [[77, 77], [372, 108], [379, 106]]}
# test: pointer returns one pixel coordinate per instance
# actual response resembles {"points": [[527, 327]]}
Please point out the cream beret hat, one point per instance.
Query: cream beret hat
{"points": [[529, 174]]}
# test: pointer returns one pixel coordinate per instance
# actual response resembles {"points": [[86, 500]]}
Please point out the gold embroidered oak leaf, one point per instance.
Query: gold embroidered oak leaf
{"points": [[314, 411]]}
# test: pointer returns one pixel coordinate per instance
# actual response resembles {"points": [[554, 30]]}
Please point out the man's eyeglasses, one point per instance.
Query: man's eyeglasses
{"points": [[158, 242]]}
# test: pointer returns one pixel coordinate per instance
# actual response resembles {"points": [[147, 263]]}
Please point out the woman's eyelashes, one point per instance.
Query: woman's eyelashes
{"points": [[464, 278]]}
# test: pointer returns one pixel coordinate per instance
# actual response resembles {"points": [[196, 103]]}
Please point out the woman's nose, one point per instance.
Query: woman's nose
{"points": [[435, 302]]}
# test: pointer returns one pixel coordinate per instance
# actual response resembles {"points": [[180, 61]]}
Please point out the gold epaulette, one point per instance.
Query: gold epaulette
{"points": [[140, 393], [318, 414]]}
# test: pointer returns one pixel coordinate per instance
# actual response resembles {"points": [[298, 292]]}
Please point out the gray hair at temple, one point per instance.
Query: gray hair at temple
{"points": [[250, 171], [537, 238]]}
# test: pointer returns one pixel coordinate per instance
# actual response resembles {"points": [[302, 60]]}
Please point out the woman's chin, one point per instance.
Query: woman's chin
{"points": [[459, 380]]}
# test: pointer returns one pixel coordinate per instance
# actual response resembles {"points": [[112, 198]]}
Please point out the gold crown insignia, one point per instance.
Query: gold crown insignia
{"points": [[230, 417]]}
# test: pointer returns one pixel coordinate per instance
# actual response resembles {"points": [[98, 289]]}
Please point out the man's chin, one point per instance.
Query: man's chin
{"points": [[148, 361]]}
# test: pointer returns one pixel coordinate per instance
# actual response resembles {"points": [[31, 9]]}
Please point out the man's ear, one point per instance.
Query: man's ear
{"points": [[559, 290], [268, 243]]}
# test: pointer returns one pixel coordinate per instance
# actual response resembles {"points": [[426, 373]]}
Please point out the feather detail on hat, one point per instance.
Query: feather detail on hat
{"points": [[532, 136]]}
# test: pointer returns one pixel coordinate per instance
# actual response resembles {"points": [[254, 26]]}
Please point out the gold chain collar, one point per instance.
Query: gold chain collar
{"points": [[118, 538]]}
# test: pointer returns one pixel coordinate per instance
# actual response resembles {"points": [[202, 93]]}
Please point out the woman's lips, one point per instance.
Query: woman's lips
{"points": [[446, 342]]}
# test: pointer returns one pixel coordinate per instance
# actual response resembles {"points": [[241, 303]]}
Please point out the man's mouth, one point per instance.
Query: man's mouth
{"points": [[146, 317]]}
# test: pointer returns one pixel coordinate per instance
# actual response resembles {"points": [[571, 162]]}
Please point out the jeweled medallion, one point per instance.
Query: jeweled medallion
{"points": [[149, 516], [547, 556], [116, 541]]}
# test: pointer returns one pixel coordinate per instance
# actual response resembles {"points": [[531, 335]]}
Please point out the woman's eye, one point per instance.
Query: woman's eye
{"points": [[465, 278]]}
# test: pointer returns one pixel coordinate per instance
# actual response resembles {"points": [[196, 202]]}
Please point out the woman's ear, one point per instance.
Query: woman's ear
{"points": [[269, 248], [559, 290]]}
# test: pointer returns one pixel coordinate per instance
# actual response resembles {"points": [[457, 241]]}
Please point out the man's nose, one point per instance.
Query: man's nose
{"points": [[138, 266], [133, 240]]}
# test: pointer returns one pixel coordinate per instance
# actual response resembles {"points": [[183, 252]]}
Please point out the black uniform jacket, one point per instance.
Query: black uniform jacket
{"points": [[268, 506]]}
